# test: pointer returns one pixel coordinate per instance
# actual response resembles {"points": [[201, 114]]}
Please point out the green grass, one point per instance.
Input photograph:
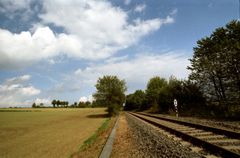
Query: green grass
{"points": [[93, 138], [47, 132]]}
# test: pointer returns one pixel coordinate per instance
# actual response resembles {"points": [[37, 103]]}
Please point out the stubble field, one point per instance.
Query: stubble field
{"points": [[51, 133]]}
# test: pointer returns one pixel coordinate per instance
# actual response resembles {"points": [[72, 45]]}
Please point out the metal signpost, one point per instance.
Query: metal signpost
{"points": [[175, 105]]}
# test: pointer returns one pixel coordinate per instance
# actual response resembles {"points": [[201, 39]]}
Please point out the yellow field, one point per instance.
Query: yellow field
{"points": [[53, 133]]}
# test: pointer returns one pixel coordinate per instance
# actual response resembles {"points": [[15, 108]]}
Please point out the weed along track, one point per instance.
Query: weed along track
{"points": [[216, 141]]}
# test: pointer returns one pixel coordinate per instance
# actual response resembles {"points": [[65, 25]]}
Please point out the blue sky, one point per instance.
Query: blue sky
{"points": [[58, 49]]}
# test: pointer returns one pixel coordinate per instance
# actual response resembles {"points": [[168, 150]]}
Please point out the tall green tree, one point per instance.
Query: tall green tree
{"points": [[34, 105], [54, 102], [136, 101], [110, 93], [215, 66], [153, 90], [67, 103]]}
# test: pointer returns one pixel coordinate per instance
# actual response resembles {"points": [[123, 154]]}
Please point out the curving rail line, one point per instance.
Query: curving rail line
{"points": [[217, 141]]}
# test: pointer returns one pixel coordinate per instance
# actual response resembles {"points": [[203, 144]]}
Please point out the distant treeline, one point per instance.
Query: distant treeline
{"points": [[65, 104], [41, 105]]}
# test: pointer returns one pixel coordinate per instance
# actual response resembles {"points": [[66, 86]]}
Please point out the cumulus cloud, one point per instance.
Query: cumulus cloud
{"points": [[11, 8], [13, 5], [17, 92], [83, 99], [86, 98], [136, 71], [45, 101], [25, 48], [93, 30], [140, 8]]}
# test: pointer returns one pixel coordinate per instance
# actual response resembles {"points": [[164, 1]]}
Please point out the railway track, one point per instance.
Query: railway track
{"points": [[217, 141]]}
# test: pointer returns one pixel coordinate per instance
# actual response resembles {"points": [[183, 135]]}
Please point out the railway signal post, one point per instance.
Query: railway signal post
{"points": [[175, 105]]}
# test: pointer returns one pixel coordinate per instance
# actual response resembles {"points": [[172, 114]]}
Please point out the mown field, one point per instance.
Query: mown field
{"points": [[51, 133]]}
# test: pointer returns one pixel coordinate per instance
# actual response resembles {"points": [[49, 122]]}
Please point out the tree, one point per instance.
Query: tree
{"points": [[192, 98], [81, 104], [67, 103], [34, 105], [58, 103], [110, 93], [75, 104], [54, 103], [154, 87], [215, 66], [41, 105], [88, 104], [136, 101]]}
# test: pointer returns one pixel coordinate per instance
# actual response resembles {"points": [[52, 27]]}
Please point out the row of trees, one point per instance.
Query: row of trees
{"points": [[160, 93], [59, 103], [41, 105], [65, 104], [87, 104], [158, 97]]}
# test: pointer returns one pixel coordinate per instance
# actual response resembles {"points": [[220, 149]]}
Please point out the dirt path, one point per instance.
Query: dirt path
{"points": [[124, 145]]}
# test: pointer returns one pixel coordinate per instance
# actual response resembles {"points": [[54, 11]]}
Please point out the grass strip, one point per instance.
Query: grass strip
{"points": [[93, 138]]}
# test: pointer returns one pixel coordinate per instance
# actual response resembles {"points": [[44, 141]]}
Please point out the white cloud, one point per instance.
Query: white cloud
{"points": [[94, 29], [86, 98], [45, 101], [16, 92], [14, 5], [140, 8], [83, 99], [17, 80], [26, 48], [136, 71], [11, 7], [127, 2]]}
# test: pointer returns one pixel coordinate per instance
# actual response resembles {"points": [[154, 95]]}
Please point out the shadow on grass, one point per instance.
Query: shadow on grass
{"points": [[98, 116]]}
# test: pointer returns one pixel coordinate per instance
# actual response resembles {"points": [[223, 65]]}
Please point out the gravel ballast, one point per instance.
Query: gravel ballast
{"points": [[153, 143]]}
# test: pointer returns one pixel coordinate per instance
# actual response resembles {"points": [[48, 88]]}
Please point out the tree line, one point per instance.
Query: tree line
{"points": [[160, 94], [64, 104], [59, 103]]}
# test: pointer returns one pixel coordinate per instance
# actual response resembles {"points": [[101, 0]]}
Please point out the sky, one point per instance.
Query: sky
{"points": [[57, 49]]}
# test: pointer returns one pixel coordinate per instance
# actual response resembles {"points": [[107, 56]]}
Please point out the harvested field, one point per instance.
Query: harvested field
{"points": [[46, 132]]}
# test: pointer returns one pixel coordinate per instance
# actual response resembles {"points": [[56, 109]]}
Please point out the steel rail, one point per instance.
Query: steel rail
{"points": [[230, 134], [212, 148]]}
